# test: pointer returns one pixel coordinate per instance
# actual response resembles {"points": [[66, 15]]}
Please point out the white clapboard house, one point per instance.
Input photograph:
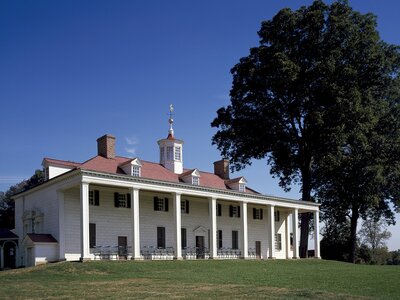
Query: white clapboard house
{"points": [[114, 207]]}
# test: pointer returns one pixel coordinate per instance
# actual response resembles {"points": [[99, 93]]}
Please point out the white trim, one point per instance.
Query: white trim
{"points": [[295, 222], [213, 227], [84, 198]]}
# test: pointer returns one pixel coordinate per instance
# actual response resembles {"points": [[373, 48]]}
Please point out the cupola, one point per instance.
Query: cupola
{"points": [[171, 149]]}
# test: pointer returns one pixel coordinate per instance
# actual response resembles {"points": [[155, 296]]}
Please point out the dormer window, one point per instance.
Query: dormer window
{"points": [[191, 177], [195, 180], [132, 167], [238, 184], [136, 171]]}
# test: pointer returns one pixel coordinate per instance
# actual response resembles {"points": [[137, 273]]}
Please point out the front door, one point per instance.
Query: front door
{"points": [[200, 246], [258, 249], [122, 247]]}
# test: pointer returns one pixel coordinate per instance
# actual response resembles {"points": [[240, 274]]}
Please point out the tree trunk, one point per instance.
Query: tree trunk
{"points": [[305, 217], [353, 233]]}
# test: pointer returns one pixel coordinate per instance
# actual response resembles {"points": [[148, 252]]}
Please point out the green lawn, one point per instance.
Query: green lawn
{"points": [[279, 279]]}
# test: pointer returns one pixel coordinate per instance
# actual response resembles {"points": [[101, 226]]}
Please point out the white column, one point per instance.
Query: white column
{"points": [[85, 250], [61, 226], [135, 223], [316, 235], [244, 240], [178, 226], [213, 227], [295, 225], [271, 223], [1, 257], [287, 234]]}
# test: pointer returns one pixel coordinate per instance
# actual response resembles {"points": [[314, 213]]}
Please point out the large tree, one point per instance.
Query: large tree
{"points": [[293, 98]]}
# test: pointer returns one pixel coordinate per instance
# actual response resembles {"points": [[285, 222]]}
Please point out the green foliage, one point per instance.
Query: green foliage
{"points": [[213, 279], [7, 203], [394, 258], [319, 98]]}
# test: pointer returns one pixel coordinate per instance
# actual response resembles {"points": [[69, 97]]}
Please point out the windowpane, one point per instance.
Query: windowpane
{"points": [[161, 237], [183, 206], [122, 200], [183, 238], [178, 153], [278, 242], [219, 238], [91, 198], [195, 180], [136, 171], [235, 242], [162, 154], [169, 153], [242, 188]]}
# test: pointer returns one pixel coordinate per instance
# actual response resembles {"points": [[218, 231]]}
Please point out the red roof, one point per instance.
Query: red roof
{"points": [[149, 170], [41, 238], [62, 162]]}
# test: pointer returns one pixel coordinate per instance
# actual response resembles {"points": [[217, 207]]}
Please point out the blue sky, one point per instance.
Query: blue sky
{"points": [[71, 71]]}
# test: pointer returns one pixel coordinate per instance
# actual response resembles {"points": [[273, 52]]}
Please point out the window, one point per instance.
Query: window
{"points": [[33, 225], [162, 154], [169, 153], [278, 242], [94, 198], [184, 206], [242, 187], [219, 210], [195, 180], [136, 171], [122, 200], [92, 235], [219, 239], [183, 238], [46, 173], [177, 153], [291, 241], [257, 213], [161, 237], [160, 204], [235, 240], [276, 214], [234, 211]]}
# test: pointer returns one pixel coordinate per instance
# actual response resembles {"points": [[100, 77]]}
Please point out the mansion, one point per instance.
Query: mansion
{"points": [[114, 207]]}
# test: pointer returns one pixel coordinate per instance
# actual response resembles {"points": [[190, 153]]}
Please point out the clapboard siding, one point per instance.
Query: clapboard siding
{"points": [[112, 222]]}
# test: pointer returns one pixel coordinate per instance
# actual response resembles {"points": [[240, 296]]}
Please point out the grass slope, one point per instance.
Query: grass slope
{"points": [[292, 279]]}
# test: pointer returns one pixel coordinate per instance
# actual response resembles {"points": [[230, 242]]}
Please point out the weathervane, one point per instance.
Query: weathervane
{"points": [[171, 120]]}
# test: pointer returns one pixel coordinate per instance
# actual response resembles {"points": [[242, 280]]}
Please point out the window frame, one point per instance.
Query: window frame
{"points": [[183, 238], [235, 239], [219, 239], [161, 237], [135, 172], [170, 152], [278, 242], [177, 153], [277, 216]]}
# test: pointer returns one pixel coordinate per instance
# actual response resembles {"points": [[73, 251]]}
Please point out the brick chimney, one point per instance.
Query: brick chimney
{"points": [[106, 146], [221, 168]]}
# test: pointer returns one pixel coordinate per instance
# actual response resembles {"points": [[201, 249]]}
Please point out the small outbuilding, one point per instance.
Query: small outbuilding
{"points": [[8, 249], [40, 249]]}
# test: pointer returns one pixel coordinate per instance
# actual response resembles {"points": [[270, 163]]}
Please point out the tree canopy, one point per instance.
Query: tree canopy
{"points": [[7, 203], [319, 86]]}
